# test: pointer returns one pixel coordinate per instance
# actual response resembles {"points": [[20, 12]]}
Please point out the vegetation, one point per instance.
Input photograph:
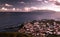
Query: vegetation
{"points": [[16, 34], [20, 34], [13, 34]]}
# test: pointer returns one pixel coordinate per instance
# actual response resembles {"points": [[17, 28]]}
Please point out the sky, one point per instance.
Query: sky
{"points": [[29, 5]]}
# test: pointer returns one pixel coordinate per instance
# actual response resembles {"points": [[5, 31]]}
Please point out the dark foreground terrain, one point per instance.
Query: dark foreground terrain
{"points": [[16, 34]]}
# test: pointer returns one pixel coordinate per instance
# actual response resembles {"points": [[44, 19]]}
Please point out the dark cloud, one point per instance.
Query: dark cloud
{"points": [[57, 3]]}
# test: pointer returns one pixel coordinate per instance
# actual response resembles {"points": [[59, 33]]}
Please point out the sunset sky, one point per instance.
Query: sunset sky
{"points": [[29, 5]]}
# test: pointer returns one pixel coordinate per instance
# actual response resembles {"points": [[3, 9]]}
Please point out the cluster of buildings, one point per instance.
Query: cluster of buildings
{"points": [[41, 28]]}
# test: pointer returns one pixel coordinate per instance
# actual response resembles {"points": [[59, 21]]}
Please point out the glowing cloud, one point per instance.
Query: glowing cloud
{"points": [[8, 5], [22, 2], [14, 9], [5, 9], [27, 9], [58, 1], [39, 0], [35, 8], [46, 1]]}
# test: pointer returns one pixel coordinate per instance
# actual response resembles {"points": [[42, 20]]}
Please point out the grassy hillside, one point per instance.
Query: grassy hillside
{"points": [[13, 34], [16, 34]]}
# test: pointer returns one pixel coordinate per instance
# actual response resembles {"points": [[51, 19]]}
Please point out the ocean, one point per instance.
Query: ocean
{"points": [[14, 19]]}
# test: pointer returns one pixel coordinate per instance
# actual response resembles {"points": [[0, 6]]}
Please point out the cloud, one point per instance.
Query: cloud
{"points": [[8, 5], [22, 2], [39, 0]]}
